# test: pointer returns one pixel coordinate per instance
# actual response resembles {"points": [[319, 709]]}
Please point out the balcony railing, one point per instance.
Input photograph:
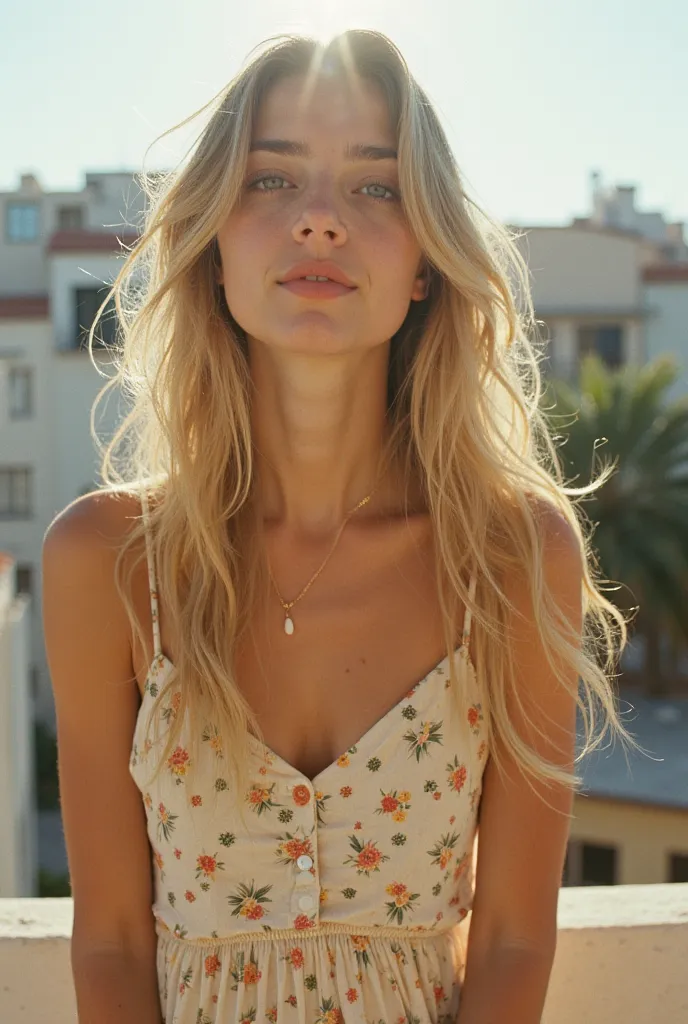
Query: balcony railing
{"points": [[621, 958]]}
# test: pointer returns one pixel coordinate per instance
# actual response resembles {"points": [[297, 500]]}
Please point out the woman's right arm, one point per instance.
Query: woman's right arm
{"points": [[87, 637]]}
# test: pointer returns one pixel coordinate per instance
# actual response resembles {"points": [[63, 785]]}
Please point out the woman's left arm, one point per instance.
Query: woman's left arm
{"points": [[521, 840]]}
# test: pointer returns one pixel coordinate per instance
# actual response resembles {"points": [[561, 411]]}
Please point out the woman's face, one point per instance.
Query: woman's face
{"points": [[321, 188]]}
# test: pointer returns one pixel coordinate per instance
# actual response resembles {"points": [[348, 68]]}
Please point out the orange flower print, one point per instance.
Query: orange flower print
{"points": [[178, 763], [189, 896], [361, 944], [158, 858], [211, 736], [260, 799], [419, 742], [482, 749], [166, 822], [439, 994], [247, 901], [437, 795], [475, 716], [352, 994], [367, 856], [301, 795], [457, 774], [173, 707], [271, 1014], [291, 1000], [329, 1013], [357, 825], [345, 791], [320, 800], [196, 800], [295, 958], [207, 865], [461, 867], [343, 761], [291, 847], [302, 921], [402, 901], [443, 850], [212, 964], [251, 973], [395, 803], [148, 801], [187, 978], [324, 894], [177, 853]]}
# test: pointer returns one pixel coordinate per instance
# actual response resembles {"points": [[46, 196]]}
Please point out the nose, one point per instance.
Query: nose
{"points": [[319, 224]]}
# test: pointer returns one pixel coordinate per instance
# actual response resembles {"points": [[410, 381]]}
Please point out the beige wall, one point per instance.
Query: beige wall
{"points": [[643, 835]]}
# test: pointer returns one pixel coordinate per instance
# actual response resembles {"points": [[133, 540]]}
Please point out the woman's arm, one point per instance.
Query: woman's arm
{"points": [[521, 840], [87, 638]]}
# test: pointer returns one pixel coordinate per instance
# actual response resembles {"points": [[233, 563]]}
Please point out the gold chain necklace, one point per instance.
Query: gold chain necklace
{"points": [[288, 605]]}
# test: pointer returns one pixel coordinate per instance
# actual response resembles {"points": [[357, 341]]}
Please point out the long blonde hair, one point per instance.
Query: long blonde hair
{"points": [[463, 400]]}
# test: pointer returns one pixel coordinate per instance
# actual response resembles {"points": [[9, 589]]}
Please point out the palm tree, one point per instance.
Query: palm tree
{"points": [[622, 417]]}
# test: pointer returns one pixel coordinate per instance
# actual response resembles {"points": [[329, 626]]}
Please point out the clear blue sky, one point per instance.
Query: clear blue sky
{"points": [[534, 95]]}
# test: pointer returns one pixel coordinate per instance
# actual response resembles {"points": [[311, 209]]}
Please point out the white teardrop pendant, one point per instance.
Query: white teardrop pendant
{"points": [[288, 625]]}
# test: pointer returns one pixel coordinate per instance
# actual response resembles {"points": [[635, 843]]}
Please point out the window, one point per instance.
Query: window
{"points": [[605, 340], [70, 218], [20, 392], [87, 302], [678, 867], [24, 579], [16, 492], [22, 222], [590, 864]]}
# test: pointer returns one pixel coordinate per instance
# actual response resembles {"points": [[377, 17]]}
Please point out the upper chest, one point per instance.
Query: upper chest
{"points": [[368, 629]]}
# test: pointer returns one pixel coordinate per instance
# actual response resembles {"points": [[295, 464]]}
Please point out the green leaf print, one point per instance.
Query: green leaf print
{"points": [[311, 982], [202, 1017], [442, 851], [285, 815], [348, 893], [247, 901], [166, 822], [329, 1013], [227, 838], [419, 742], [259, 798]]}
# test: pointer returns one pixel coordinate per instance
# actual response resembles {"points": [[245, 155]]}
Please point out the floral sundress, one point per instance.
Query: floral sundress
{"points": [[340, 903]]}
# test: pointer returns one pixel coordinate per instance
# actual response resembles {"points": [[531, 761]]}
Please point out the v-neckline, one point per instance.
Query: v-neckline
{"points": [[266, 752]]}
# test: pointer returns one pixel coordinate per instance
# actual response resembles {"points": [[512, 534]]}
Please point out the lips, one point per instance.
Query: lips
{"points": [[317, 268]]}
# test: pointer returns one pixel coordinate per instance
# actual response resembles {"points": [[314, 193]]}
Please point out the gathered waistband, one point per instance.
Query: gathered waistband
{"points": [[326, 928]]}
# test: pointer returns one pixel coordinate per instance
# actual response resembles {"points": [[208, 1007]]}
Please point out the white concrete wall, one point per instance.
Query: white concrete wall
{"points": [[621, 958], [18, 846]]}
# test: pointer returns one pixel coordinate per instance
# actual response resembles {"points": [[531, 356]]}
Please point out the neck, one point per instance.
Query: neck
{"points": [[320, 429]]}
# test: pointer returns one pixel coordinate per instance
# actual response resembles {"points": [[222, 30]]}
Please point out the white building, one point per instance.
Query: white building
{"points": [[18, 835], [58, 253], [615, 283]]}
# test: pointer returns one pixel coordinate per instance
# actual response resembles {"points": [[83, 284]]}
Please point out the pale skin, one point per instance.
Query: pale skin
{"points": [[370, 626]]}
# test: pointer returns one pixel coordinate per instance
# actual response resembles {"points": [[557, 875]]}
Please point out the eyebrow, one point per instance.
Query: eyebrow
{"points": [[360, 151]]}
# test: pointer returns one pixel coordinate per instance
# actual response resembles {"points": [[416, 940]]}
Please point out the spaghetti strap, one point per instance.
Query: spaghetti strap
{"points": [[468, 614], [152, 580]]}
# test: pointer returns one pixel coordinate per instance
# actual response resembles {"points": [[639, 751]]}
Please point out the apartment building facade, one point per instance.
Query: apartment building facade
{"points": [[59, 251]]}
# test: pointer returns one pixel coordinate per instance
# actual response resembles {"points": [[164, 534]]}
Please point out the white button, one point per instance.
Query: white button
{"points": [[304, 862], [306, 902]]}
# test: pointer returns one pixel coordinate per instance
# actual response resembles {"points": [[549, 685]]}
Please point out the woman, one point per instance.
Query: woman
{"points": [[333, 465]]}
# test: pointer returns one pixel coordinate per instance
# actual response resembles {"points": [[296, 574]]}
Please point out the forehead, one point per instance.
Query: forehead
{"points": [[351, 109]]}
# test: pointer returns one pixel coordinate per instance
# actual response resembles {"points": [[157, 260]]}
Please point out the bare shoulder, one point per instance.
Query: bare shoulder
{"points": [[94, 523]]}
